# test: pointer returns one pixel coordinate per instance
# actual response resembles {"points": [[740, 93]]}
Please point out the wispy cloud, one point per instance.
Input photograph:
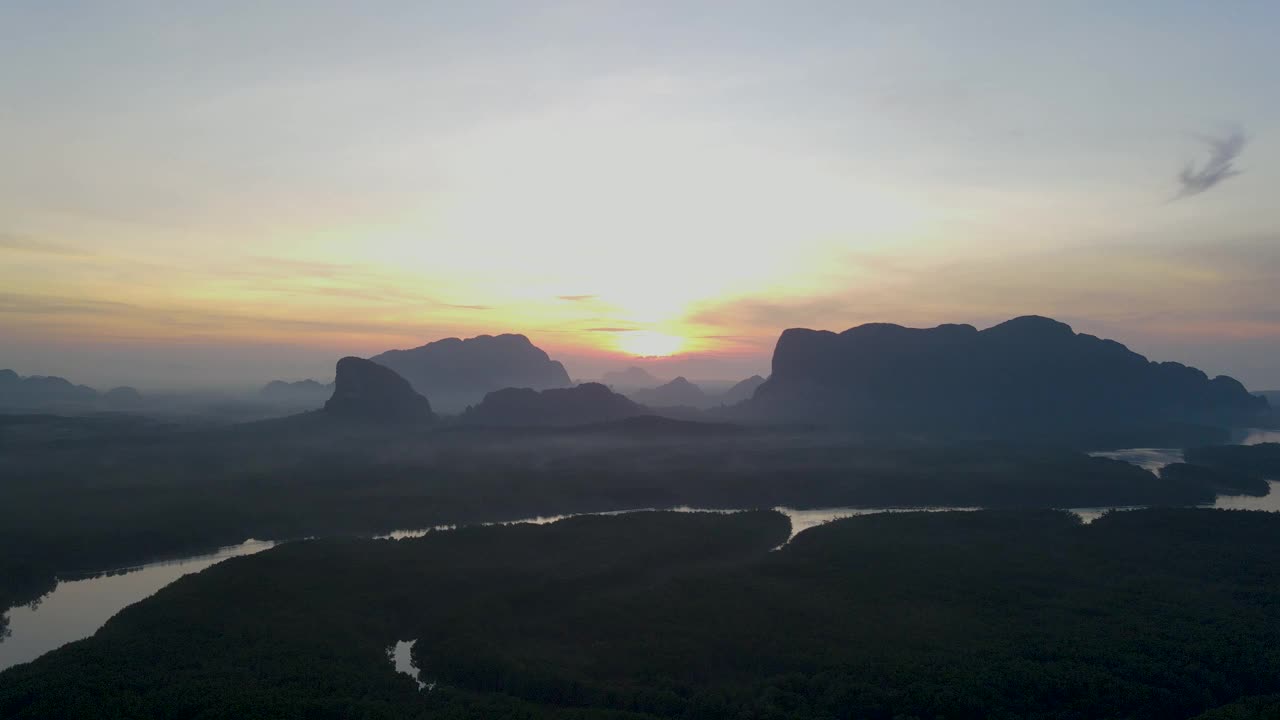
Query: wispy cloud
{"points": [[22, 243], [575, 298], [92, 318], [765, 312], [1223, 153], [25, 304], [274, 267]]}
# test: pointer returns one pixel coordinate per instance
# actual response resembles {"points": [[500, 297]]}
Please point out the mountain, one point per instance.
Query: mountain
{"points": [[677, 393], [456, 373], [123, 396], [1273, 398], [741, 391], [309, 393], [369, 391], [630, 379], [523, 407], [38, 391], [1028, 374]]}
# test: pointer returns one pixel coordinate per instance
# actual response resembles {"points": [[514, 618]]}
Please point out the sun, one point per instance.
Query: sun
{"points": [[644, 343]]}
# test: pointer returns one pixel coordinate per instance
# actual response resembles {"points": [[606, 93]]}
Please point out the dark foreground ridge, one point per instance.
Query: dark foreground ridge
{"points": [[1028, 373], [1151, 615]]}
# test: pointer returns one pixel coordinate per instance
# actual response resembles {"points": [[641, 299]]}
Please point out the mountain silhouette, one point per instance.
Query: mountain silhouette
{"points": [[309, 393], [40, 391], [632, 378], [523, 407], [456, 373], [1029, 372], [369, 391], [741, 391], [677, 393], [123, 396]]}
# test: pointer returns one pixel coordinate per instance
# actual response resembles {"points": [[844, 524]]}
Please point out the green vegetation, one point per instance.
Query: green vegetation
{"points": [[81, 495], [995, 614], [1253, 462]]}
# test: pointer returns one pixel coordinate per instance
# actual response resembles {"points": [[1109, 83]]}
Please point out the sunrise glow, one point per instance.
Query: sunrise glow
{"points": [[643, 343], [612, 204]]}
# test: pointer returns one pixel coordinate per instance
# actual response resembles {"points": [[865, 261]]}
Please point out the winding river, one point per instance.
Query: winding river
{"points": [[75, 609]]}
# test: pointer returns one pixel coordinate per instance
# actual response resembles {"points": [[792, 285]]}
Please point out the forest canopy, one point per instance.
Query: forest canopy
{"points": [[1141, 614]]}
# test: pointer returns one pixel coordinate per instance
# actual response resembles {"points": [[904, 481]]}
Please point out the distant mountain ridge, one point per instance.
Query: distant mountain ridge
{"points": [[123, 396], [742, 391], [1028, 371], [455, 373], [50, 392], [42, 388], [633, 378], [311, 393], [677, 393], [683, 393], [584, 404]]}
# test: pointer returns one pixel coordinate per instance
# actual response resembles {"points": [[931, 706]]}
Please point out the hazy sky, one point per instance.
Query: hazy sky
{"points": [[229, 192]]}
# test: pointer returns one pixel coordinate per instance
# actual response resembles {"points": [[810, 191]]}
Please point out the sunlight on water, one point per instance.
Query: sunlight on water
{"points": [[1269, 502], [77, 608], [1266, 503], [535, 520], [401, 657], [1088, 515], [1257, 436], [1146, 458], [802, 520]]}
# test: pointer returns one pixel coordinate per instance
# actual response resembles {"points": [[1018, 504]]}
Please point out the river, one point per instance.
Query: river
{"points": [[75, 609]]}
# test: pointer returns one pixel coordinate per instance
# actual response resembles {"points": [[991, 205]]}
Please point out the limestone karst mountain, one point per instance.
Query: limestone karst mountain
{"points": [[366, 390], [456, 373], [741, 391], [1027, 372], [677, 393]]}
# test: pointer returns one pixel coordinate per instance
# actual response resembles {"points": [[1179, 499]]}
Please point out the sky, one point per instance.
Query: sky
{"points": [[219, 194]]}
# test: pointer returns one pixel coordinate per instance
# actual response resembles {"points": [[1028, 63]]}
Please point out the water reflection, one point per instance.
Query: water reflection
{"points": [[77, 608], [401, 656], [1256, 436], [1269, 502], [802, 520], [1088, 515], [535, 520], [1152, 459]]}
